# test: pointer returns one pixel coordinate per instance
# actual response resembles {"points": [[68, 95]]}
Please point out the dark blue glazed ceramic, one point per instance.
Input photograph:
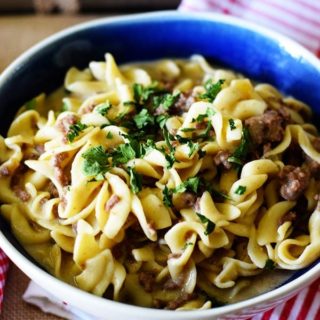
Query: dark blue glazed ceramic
{"points": [[235, 44]]}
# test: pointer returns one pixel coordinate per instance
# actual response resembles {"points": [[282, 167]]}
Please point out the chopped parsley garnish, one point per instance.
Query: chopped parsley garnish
{"points": [[142, 94], [192, 147], [75, 130], [270, 265], [240, 154], [167, 196], [135, 180], [165, 100], [187, 244], [95, 162], [212, 89], [209, 224], [103, 108], [232, 124], [169, 157], [241, 190], [190, 184], [109, 135], [123, 153], [31, 104], [188, 129], [201, 117], [162, 119], [143, 119], [207, 186]]}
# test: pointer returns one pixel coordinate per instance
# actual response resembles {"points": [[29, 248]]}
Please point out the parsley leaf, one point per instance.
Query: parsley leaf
{"points": [[143, 119], [135, 180], [75, 130], [169, 157], [241, 190], [188, 129], [103, 108], [212, 89], [142, 94], [123, 153], [109, 135], [232, 124], [31, 104], [270, 265], [192, 147], [209, 224], [95, 162], [165, 100], [167, 196], [240, 154], [162, 119], [191, 184]]}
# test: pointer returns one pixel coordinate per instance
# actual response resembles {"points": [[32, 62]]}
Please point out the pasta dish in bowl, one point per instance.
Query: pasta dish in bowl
{"points": [[170, 184]]}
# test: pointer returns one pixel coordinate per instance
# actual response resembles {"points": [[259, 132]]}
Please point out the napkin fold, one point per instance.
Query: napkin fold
{"points": [[48, 303]]}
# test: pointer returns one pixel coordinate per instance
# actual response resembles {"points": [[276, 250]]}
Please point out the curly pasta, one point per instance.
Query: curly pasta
{"points": [[170, 184]]}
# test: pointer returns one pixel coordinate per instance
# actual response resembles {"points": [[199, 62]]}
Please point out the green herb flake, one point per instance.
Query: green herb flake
{"points": [[241, 190], [170, 159], [212, 89], [129, 103], [190, 184], [165, 100], [142, 94], [109, 135], [240, 154], [135, 180], [123, 153], [95, 162], [188, 129], [31, 104], [209, 224], [103, 108], [75, 130], [167, 196], [270, 265], [187, 244], [162, 119], [232, 124], [192, 148], [143, 119]]}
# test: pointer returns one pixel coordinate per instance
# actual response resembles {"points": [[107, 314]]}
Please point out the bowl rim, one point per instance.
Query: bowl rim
{"points": [[40, 276]]}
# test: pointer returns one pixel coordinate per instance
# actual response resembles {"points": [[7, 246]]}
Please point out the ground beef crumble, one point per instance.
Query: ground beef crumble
{"points": [[268, 127], [294, 181], [221, 158]]}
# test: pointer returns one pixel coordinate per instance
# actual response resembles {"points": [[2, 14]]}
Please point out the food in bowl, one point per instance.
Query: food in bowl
{"points": [[168, 184]]}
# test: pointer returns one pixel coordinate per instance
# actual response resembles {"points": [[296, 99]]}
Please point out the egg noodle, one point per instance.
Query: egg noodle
{"points": [[167, 184]]}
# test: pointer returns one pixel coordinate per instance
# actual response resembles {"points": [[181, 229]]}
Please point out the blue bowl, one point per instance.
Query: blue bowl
{"points": [[254, 51]]}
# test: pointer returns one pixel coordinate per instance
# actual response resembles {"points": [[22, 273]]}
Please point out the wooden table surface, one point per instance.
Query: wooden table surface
{"points": [[18, 33]]}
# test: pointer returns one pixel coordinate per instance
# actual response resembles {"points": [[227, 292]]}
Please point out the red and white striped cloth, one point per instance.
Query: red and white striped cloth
{"points": [[4, 265], [300, 20]]}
